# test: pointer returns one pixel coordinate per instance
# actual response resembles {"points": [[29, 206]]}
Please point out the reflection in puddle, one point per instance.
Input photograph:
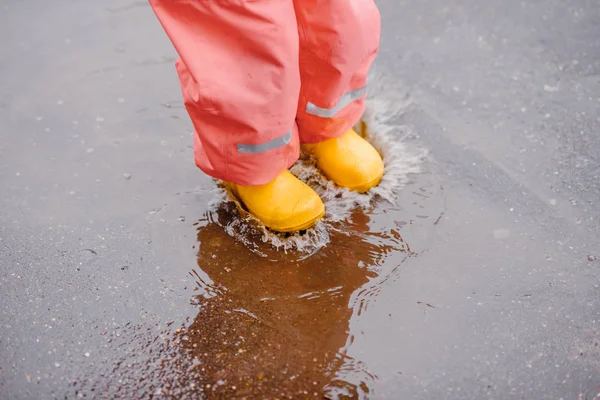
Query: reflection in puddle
{"points": [[280, 329]]}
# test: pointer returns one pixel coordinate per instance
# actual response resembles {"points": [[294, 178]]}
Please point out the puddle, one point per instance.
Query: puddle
{"points": [[269, 329], [280, 327], [277, 317]]}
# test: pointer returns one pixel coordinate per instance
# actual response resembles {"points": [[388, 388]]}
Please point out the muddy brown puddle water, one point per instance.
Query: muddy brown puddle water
{"points": [[274, 328]]}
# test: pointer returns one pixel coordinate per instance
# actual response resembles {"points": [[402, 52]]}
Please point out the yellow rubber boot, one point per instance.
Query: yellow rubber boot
{"points": [[349, 161], [286, 204]]}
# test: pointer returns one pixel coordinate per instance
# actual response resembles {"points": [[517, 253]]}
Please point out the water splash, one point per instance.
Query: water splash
{"points": [[381, 127], [225, 211]]}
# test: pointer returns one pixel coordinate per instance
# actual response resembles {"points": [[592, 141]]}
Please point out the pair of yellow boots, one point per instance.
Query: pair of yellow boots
{"points": [[287, 204]]}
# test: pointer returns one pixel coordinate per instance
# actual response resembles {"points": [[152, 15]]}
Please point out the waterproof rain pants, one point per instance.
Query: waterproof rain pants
{"points": [[260, 76]]}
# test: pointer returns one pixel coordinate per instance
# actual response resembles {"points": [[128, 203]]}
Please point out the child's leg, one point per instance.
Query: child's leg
{"points": [[338, 42], [240, 81]]}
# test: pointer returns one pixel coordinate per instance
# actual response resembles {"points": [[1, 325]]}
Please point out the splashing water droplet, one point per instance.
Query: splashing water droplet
{"points": [[378, 126]]}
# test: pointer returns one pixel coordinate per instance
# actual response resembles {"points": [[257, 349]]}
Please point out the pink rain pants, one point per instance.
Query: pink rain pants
{"points": [[261, 76]]}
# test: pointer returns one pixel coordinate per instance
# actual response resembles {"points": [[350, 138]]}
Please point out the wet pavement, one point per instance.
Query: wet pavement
{"points": [[121, 276]]}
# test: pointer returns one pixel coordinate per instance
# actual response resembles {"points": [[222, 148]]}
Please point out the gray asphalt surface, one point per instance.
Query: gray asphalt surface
{"points": [[99, 196]]}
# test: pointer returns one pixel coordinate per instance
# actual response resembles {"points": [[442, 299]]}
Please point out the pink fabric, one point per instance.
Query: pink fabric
{"points": [[339, 40], [241, 67]]}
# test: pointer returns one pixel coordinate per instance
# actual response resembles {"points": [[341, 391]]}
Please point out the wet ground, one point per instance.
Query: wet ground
{"points": [[123, 276]]}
